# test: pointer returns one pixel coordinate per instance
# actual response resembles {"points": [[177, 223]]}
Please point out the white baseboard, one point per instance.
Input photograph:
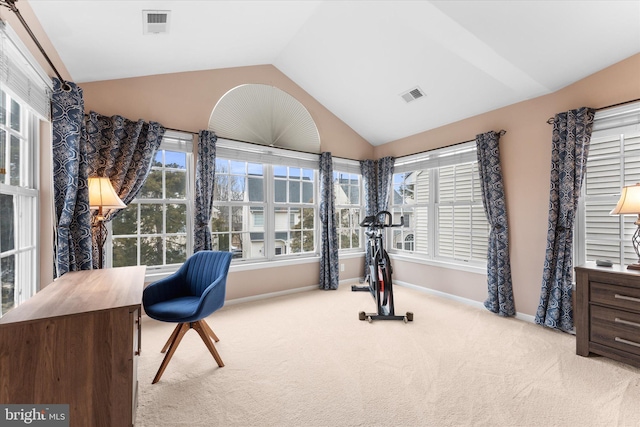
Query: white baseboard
{"points": [[269, 295], [477, 304]]}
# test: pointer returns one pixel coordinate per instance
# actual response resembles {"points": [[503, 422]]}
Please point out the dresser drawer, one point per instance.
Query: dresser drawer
{"points": [[615, 328], [624, 297]]}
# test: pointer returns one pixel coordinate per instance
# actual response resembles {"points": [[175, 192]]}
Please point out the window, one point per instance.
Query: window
{"points": [[155, 228], [265, 202], [347, 186], [18, 202], [25, 95], [438, 195], [238, 218], [613, 162]]}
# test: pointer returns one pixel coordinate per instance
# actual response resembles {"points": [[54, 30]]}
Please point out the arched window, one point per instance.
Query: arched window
{"points": [[266, 115]]}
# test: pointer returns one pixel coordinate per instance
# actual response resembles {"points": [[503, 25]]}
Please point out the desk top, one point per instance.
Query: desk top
{"points": [[83, 291]]}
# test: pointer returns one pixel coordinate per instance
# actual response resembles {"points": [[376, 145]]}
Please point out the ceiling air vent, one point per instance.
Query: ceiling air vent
{"points": [[412, 95], [155, 21]]}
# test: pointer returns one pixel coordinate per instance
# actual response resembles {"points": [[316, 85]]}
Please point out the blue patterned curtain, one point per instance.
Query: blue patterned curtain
{"points": [[500, 290], [121, 150], [368, 171], [329, 271], [377, 179], [384, 168], [71, 195], [570, 148], [205, 180]]}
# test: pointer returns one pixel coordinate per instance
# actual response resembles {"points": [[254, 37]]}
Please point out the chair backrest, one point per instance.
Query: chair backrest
{"points": [[203, 268]]}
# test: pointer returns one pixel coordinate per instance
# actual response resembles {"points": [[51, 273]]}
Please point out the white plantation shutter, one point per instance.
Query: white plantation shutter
{"points": [[462, 223], [613, 162], [21, 74]]}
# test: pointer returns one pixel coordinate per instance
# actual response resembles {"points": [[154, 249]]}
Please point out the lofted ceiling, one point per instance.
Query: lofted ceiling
{"points": [[358, 58]]}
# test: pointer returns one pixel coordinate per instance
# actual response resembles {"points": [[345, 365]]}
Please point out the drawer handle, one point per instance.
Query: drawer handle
{"points": [[626, 322], [624, 297], [622, 340]]}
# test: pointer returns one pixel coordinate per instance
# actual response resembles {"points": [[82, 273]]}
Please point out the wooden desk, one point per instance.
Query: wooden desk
{"points": [[77, 342]]}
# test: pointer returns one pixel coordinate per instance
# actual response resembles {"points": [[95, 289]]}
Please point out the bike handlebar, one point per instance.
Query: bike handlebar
{"points": [[375, 222]]}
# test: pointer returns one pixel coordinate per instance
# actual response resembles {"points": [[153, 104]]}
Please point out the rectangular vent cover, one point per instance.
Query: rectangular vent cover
{"points": [[155, 21], [413, 94]]}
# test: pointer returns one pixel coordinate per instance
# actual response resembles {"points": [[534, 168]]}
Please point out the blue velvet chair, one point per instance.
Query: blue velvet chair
{"points": [[186, 297]]}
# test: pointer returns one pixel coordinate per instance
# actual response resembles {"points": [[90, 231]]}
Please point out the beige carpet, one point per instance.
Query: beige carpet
{"points": [[306, 360]]}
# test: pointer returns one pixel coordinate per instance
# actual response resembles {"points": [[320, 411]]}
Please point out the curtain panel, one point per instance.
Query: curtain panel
{"points": [[72, 244], [205, 184], [570, 149], [329, 268], [377, 179], [123, 151], [384, 167], [499, 284]]}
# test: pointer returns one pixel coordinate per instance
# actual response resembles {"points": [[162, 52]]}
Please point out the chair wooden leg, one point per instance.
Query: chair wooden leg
{"points": [[207, 328], [203, 331], [172, 337], [177, 335]]}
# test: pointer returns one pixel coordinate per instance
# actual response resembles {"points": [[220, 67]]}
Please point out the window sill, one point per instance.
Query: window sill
{"points": [[462, 266]]}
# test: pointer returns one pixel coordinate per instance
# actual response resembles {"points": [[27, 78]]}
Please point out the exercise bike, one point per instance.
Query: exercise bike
{"points": [[379, 271]]}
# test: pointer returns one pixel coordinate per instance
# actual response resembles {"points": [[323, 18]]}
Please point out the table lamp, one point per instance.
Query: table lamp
{"points": [[629, 203], [102, 196]]}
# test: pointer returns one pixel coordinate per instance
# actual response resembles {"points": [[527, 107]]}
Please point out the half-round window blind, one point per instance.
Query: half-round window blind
{"points": [[266, 115]]}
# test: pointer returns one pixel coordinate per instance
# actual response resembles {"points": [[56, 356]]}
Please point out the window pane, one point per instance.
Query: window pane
{"points": [[151, 219], [152, 187], [125, 251], [280, 191], [7, 282], [151, 250], [7, 225], [176, 160], [126, 222], [294, 191], [238, 168], [3, 155], [307, 192], [237, 187], [176, 218], [3, 108], [220, 219], [14, 161], [256, 189], [176, 249], [176, 185], [15, 115]]}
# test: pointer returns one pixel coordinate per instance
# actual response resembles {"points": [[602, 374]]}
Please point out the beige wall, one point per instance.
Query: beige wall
{"points": [[185, 101], [525, 153]]}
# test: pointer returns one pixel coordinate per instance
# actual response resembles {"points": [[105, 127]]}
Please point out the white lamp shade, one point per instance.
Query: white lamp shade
{"points": [[102, 194], [629, 202]]}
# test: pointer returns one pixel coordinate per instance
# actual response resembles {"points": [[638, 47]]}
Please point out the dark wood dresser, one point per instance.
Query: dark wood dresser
{"points": [[77, 342], [607, 312]]}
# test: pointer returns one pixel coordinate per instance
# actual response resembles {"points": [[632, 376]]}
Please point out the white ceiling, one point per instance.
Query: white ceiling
{"points": [[358, 57]]}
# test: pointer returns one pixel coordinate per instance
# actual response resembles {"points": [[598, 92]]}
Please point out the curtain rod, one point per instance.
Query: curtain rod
{"points": [[261, 145], [551, 119], [501, 132], [11, 5]]}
